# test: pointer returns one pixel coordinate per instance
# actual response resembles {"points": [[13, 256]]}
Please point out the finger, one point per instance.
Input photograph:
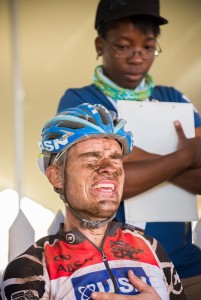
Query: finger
{"points": [[139, 284], [105, 296], [179, 130]]}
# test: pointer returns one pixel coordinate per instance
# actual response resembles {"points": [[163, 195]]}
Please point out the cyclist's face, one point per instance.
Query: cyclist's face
{"points": [[127, 72], [94, 177]]}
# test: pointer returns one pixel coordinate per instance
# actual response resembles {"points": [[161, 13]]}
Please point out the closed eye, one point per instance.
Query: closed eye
{"points": [[149, 48], [121, 48]]}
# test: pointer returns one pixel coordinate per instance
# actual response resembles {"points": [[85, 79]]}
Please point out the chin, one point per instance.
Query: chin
{"points": [[108, 212], [129, 86], [106, 215]]}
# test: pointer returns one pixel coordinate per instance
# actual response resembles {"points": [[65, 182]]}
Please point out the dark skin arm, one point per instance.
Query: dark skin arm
{"points": [[183, 167], [193, 185], [191, 178]]}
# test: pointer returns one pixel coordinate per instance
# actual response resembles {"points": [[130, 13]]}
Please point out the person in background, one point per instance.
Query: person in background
{"points": [[127, 41], [93, 256]]}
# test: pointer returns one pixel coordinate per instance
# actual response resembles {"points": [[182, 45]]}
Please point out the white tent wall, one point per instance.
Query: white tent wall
{"points": [[56, 51]]}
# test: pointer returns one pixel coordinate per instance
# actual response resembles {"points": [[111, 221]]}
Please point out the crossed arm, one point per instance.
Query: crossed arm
{"points": [[144, 170]]}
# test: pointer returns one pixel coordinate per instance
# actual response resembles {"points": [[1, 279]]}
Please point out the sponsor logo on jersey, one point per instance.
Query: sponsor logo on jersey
{"points": [[121, 249], [25, 295], [101, 282]]}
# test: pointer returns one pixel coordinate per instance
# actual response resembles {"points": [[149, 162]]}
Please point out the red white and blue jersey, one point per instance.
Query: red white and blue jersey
{"points": [[68, 265]]}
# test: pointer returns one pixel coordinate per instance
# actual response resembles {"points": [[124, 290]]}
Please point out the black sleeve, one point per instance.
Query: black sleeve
{"points": [[23, 277], [171, 275]]}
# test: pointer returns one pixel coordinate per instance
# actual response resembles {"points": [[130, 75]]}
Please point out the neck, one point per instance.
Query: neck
{"points": [[95, 235], [86, 222], [115, 92]]}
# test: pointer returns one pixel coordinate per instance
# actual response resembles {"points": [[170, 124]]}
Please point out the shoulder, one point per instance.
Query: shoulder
{"points": [[171, 94], [87, 94], [76, 96], [82, 91], [30, 260], [151, 242], [29, 264], [140, 234], [168, 94]]}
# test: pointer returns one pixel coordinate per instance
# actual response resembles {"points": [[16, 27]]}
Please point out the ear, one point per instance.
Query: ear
{"points": [[99, 45], [54, 175]]}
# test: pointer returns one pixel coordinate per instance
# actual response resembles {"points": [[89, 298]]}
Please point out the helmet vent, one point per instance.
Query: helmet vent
{"points": [[103, 114], [88, 118], [71, 124], [52, 136]]}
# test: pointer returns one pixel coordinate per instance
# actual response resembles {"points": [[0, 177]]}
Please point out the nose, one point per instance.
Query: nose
{"points": [[106, 164], [108, 167], [135, 56]]}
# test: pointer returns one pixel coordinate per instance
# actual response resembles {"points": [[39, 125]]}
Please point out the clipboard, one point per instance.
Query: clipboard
{"points": [[153, 130]]}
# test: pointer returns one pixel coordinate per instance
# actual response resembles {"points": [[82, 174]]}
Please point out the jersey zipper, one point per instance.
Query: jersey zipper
{"points": [[104, 258], [105, 261]]}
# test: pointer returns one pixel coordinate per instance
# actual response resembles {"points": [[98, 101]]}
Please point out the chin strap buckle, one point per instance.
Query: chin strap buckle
{"points": [[97, 224], [89, 224]]}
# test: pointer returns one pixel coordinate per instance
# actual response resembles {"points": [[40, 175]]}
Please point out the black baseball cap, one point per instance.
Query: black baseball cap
{"points": [[112, 10]]}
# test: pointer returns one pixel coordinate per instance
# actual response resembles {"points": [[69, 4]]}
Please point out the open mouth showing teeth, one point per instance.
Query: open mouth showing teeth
{"points": [[107, 186]]}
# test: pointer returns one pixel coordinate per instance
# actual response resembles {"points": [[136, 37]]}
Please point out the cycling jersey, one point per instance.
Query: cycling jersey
{"points": [[68, 265]]}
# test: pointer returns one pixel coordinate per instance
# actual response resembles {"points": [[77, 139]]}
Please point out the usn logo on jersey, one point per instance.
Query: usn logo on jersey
{"points": [[101, 282]]}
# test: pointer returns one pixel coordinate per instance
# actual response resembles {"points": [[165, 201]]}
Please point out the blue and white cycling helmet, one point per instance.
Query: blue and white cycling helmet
{"points": [[77, 124]]}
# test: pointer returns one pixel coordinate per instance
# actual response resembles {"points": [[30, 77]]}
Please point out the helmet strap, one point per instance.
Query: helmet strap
{"points": [[62, 191], [87, 223]]}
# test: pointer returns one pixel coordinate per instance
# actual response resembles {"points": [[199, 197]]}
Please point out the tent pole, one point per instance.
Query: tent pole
{"points": [[18, 99]]}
